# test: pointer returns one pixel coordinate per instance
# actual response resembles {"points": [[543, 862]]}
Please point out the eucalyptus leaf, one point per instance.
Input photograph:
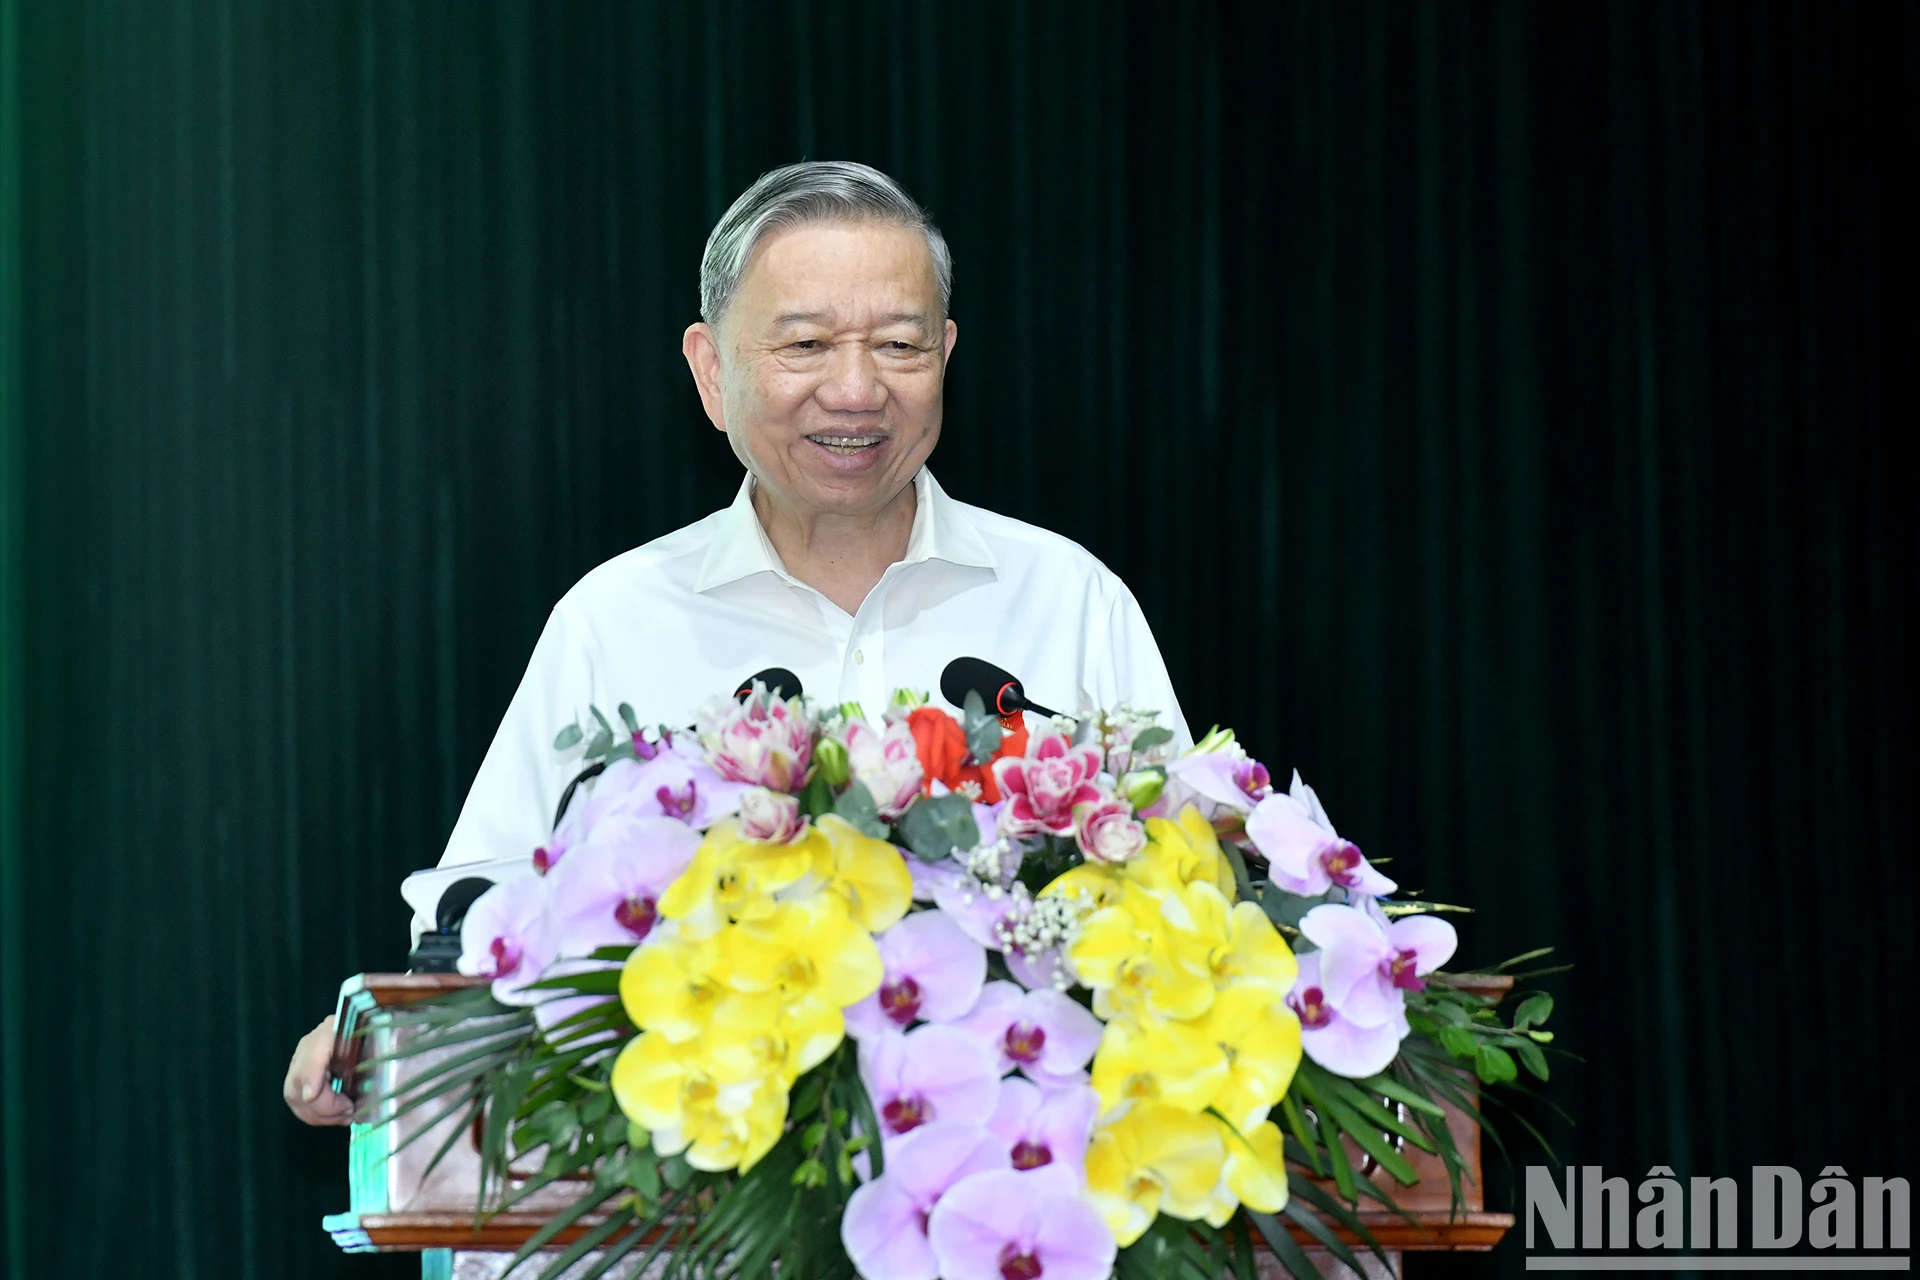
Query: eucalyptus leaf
{"points": [[857, 806], [982, 728], [628, 719], [568, 738], [601, 744], [937, 825], [1149, 738]]}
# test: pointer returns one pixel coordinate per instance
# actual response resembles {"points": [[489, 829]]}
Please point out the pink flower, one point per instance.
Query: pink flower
{"points": [[604, 893], [1334, 1040], [766, 741], [1042, 787], [1043, 1033], [1107, 832], [1367, 963], [886, 764], [1003, 1225], [1303, 854], [1046, 1127], [770, 816], [931, 1073], [509, 938], [933, 974], [884, 1227]]}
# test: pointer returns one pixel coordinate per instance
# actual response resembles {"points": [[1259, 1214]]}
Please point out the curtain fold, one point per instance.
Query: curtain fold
{"points": [[1494, 407]]}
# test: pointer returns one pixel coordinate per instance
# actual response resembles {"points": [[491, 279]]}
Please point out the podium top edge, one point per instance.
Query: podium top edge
{"points": [[399, 988]]}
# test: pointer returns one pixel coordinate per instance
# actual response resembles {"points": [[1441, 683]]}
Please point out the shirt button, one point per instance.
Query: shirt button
{"points": [[859, 658]]}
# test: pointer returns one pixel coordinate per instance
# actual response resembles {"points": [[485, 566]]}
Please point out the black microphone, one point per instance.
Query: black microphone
{"points": [[778, 680], [999, 690], [439, 951]]}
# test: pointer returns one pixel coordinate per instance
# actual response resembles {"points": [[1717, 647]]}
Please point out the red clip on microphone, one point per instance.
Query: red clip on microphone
{"points": [[997, 688]]}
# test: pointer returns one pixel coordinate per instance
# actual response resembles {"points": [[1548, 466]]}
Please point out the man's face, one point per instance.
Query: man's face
{"points": [[826, 371]]}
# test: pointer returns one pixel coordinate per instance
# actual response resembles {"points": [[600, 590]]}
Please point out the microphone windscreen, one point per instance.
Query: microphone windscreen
{"points": [[458, 898], [778, 681], [976, 675]]}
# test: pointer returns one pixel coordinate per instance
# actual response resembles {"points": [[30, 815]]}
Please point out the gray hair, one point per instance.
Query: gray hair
{"points": [[810, 192]]}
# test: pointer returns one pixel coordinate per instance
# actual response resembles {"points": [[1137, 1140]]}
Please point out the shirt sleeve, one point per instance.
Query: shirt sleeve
{"points": [[509, 809], [1134, 672]]}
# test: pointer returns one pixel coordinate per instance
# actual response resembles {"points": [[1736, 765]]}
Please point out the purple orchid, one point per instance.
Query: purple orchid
{"points": [[1044, 1127], [966, 901], [1304, 854], [884, 1227], [674, 783], [679, 783], [604, 893], [1043, 1032], [1227, 780], [931, 1073], [934, 972], [1040, 969], [508, 937], [1335, 1041], [1003, 1225], [1368, 963]]}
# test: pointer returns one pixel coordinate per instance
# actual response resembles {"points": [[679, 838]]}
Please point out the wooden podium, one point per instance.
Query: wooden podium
{"points": [[396, 1205]]}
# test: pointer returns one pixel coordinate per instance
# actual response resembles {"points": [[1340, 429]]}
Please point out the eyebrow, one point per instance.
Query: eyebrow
{"points": [[914, 318]]}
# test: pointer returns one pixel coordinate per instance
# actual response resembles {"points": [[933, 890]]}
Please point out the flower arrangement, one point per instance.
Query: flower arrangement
{"points": [[940, 997]]}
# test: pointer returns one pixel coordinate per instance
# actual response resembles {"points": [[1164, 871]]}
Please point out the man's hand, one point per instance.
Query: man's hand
{"points": [[307, 1090]]}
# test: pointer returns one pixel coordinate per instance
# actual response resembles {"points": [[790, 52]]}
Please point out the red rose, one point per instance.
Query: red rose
{"points": [[941, 745]]}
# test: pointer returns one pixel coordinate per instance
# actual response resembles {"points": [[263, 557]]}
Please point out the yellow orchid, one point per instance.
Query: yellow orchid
{"points": [[1184, 850], [870, 874], [1143, 959], [1259, 1036], [1175, 1063], [1153, 1159], [1255, 1174], [1180, 851], [806, 951], [1243, 946], [668, 985], [734, 878], [753, 1036], [668, 1089]]}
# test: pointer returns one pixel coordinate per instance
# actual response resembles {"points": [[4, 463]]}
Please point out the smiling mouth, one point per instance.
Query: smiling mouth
{"points": [[848, 446]]}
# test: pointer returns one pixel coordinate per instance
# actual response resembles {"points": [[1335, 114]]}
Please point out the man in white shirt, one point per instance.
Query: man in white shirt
{"points": [[821, 353]]}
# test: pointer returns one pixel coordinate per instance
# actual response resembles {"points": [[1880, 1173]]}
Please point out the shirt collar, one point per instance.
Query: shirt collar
{"points": [[941, 531]]}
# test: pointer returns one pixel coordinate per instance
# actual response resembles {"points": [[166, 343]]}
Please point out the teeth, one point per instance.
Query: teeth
{"points": [[846, 445]]}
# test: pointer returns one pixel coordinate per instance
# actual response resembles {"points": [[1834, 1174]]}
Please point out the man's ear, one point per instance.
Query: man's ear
{"points": [[701, 346], [953, 336]]}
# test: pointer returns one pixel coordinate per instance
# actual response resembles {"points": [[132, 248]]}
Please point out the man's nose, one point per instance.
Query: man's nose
{"points": [[853, 380]]}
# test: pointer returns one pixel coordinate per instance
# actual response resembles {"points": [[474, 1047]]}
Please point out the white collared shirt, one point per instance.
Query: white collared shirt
{"points": [[689, 616]]}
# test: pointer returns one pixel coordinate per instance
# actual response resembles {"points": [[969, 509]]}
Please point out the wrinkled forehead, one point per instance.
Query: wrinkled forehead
{"points": [[838, 275]]}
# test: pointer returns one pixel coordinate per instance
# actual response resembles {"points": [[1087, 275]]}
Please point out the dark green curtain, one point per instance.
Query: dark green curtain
{"points": [[1494, 407]]}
